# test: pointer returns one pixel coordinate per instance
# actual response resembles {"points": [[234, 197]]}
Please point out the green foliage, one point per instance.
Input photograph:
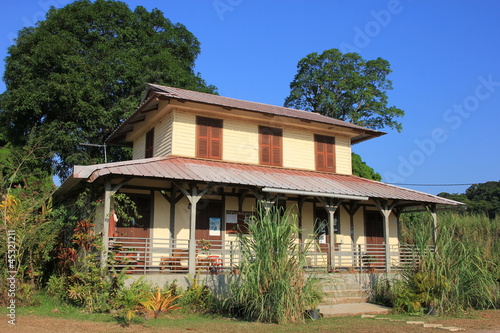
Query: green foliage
{"points": [[158, 302], [345, 87], [198, 296], [361, 169], [481, 198], [79, 72], [26, 210], [272, 286], [463, 270]]}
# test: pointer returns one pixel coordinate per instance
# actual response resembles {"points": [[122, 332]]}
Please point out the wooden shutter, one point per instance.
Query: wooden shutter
{"points": [[150, 138], [270, 146], [209, 138], [324, 153]]}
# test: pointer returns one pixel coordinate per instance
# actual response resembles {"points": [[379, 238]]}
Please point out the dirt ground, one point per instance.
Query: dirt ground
{"points": [[482, 322]]}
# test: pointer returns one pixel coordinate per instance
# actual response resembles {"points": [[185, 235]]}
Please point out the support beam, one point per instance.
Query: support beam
{"points": [[109, 191], [172, 199], [193, 196], [386, 210], [352, 208], [331, 206], [433, 211], [265, 199]]}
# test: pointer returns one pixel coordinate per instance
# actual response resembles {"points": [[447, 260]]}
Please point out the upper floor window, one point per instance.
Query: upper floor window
{"points": [[324, 147], [208, 138], [270, 145], [150, 139]]}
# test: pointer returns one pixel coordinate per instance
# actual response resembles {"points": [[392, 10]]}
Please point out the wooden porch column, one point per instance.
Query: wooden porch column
{"points": [[386, 210], [172, 200], [193, 198], [108, 193], [105, 227], [433, 212], [331, 206], [265, 200]]}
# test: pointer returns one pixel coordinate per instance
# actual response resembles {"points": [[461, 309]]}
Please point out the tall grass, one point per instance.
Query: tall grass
{"points": [[463, 272], [273, 286]]}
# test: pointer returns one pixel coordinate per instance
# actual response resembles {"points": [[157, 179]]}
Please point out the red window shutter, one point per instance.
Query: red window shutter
{"points": [[209, 138], [324, 153], [270, 146], [216, 143], [276, 158]]}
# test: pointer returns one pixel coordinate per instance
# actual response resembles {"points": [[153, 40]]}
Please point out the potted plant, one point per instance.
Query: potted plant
{"points": [[368, 260]]}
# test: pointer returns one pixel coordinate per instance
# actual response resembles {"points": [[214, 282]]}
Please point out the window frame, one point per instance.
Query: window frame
{"points": [[213, 142], [322, 158], [274, 137]]}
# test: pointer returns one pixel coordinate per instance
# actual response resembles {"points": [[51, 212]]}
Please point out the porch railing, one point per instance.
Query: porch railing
{"points": [[163, 255]]}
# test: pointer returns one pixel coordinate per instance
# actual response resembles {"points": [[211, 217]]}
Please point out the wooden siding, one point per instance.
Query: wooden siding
{"points": [[184, 134], [163, 136], [298, 149], [240, 142], [176, 135], [139, 148], [343, 155]]}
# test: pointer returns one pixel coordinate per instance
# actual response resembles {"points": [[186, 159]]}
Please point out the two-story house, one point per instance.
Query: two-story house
{"points": [[201, 163]]}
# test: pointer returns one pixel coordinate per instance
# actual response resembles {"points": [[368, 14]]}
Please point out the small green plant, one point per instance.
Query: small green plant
{"points": [[158, 303], [198, 297]]}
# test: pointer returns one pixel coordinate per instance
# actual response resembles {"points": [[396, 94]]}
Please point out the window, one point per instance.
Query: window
{"points": [[150, 139], [324, 153], [209, 138], [270, 142]]}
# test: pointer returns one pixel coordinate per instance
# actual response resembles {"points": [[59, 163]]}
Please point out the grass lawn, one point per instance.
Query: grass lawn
{"points": [[53, 316]]}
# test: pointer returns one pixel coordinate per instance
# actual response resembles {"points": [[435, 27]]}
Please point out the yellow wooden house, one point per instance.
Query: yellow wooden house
{"points": [[201, 165]]}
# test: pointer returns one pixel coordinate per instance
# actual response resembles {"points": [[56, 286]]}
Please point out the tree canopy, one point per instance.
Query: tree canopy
{"points": [[481, 198], [78, 73], [361, 169], [345, 87]]}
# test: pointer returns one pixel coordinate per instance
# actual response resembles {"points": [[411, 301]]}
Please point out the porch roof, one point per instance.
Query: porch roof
{"points": [[271, 179]]}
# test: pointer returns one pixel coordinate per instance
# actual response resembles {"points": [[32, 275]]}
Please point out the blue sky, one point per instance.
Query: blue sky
{"points": [[445, 57]]}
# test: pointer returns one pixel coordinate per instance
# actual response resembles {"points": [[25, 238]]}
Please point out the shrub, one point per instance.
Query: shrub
{"points": [[272, 286], [461, 273]]}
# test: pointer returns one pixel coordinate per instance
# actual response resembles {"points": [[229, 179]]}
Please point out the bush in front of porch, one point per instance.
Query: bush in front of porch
{"points": [[462, 272], [272, 286]]}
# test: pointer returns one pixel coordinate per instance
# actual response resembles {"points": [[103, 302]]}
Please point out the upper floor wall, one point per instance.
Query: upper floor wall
{"points": [[244, 138]]}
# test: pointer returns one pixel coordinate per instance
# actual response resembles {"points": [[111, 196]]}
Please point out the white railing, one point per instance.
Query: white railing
{"points": [[163, 255]]}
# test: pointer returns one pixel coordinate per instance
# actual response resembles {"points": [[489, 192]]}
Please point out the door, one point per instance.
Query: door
{"points": [[374, 233], [209, 225], [321, 228]]}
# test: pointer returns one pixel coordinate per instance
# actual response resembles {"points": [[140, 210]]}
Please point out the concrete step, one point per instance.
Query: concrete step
{"points": [[346, 293], [351, 309], [344, 300]]}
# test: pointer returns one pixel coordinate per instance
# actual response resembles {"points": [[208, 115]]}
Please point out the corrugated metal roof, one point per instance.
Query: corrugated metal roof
{"points": [[228, 173], [199, 97], [195, 96]]}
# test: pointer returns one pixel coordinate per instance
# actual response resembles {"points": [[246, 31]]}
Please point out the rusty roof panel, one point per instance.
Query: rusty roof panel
{"points": [[227, 173]]}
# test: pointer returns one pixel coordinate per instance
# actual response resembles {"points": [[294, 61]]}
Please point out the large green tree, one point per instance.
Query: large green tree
{"points": [[483, 198], [349, 88], [78, 73], [345, 87]]}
